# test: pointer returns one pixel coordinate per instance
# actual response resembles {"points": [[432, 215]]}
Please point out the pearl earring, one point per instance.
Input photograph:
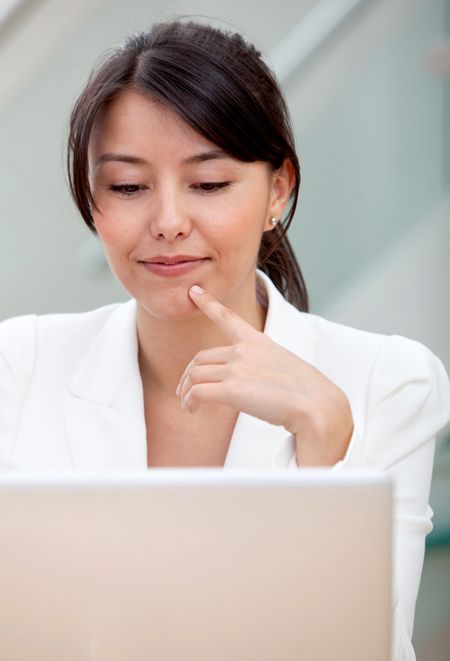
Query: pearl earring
{"points": [[273, 221]]}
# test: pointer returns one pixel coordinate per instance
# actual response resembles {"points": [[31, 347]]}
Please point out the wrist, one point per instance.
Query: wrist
{"points": [[323, 436]]}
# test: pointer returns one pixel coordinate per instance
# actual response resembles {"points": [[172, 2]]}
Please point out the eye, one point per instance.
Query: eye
{"points": [[211, 186], [126, 190]]}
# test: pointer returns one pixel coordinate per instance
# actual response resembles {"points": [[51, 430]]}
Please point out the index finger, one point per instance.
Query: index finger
{"points": [[234, 327]]}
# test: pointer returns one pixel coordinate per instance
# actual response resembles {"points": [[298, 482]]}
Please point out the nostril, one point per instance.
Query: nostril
{"points": [[165, 235]]}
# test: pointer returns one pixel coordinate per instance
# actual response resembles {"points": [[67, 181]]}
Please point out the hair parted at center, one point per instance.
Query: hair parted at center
{"points": [[217, 83]]}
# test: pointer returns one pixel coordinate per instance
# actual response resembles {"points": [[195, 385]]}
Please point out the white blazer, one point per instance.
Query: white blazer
{"points": [[71, 397]]}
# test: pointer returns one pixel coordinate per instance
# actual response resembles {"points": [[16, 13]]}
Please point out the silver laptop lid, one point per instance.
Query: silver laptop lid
{"points": [[200, 564]]}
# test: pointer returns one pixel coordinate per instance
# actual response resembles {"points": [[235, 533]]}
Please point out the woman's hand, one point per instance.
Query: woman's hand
{"points": [[257, 376]]}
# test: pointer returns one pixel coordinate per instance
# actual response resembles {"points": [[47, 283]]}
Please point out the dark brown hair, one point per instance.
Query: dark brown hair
{"points": [[218, 84]]}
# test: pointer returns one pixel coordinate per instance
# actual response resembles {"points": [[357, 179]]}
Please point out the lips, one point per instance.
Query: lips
{"points": [[175, 259], [173, 266]]}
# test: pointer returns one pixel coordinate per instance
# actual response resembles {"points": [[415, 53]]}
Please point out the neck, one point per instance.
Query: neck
{"points": [[166, 347]]}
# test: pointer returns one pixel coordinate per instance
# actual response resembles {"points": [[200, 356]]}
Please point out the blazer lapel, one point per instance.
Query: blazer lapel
{"points": [[255, 443], [104, 410]]}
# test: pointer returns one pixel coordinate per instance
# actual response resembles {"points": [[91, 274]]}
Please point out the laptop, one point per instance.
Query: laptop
{"points": [[195, 565]]}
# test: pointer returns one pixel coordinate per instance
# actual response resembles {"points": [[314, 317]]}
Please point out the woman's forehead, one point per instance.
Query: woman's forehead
{"points": [[137, 121]]}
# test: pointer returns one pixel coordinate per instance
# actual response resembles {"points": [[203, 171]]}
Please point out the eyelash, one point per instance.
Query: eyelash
{"points": [[206, 187]]}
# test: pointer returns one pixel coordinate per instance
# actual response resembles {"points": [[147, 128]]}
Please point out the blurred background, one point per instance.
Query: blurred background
{"points": [[368, 84]]}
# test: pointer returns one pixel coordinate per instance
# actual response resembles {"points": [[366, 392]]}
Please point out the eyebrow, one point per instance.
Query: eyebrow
{"points": [[209, 155]]}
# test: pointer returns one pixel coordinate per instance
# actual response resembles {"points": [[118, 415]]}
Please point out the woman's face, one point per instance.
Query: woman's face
{"points": [[166, 195]]}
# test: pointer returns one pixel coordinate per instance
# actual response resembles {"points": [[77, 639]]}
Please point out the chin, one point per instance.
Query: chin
{"points": [[176, 306]]}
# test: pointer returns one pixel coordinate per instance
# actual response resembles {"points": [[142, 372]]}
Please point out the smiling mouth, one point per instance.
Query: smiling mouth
{"points": [[181, 261], [173, 261], [174, 268]]}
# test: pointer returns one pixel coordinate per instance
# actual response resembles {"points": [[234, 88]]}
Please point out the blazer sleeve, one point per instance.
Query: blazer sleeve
{"points": [[408, 403], [17, 354]]}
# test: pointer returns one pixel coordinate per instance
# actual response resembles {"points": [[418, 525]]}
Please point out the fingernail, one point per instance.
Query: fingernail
{"points": [[178, 389], [195, 289]]}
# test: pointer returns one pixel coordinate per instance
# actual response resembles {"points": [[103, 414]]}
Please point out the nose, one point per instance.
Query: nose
{"points": [[170, 219]]}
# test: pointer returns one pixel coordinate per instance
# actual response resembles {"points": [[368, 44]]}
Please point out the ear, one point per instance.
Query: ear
{"points": [[282, 183]]}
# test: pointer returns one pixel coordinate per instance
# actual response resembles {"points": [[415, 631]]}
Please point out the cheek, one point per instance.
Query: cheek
{"points": [[239, 228], [115, 233]]}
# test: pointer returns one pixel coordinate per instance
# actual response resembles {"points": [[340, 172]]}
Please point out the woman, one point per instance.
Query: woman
{"points": [[182, 161]]}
